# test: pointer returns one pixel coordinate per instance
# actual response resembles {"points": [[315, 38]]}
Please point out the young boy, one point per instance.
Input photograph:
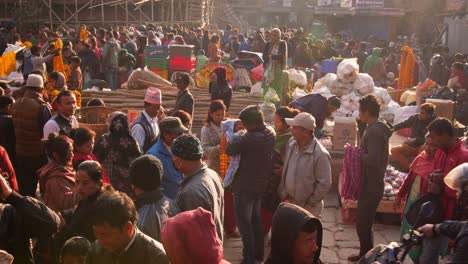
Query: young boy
{"points": [[184, 99], [75, 251], [75, 82]]}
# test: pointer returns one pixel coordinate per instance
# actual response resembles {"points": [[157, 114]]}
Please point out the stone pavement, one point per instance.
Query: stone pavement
{"points": [[339, 240]]}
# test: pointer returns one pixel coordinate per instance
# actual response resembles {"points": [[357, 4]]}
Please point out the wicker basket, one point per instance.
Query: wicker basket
{"points": [[95, 118]]}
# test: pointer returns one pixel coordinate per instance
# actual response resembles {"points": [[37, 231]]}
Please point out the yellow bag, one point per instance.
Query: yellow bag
{"points": [[201, 81]]}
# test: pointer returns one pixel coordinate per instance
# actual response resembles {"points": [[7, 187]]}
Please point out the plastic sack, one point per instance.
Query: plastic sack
{"points": [[242, 78], [339, 88], [298, 93], [271, 96], [350, 102], [383, 94], [257, 73], [298, 77], [364, 84], [348, 70], [269, 110], [256, 89], [326, 80], [403, 113]]}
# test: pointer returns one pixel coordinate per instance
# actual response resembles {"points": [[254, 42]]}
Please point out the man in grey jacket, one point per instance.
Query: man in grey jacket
{"points": [[307, 172], [201, 186], [110, 60]]}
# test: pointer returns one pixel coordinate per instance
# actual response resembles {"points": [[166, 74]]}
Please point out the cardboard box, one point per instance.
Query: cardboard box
{"points": [[445, 108], [345, 132]]}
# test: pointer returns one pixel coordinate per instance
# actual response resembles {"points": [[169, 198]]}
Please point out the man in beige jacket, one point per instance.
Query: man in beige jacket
{"points": [[307, 172]]}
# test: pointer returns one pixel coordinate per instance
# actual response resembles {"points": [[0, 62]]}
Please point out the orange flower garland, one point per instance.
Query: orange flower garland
{"points": [[209, 68], [7, 63], [224, 159], [58, 60], [406, 76], [83, 34]]}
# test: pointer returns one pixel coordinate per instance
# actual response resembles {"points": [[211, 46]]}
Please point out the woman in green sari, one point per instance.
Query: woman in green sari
{"points": [[275, 57]]}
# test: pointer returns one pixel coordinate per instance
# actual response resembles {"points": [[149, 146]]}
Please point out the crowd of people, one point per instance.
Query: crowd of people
{"points": [[150, 191]]}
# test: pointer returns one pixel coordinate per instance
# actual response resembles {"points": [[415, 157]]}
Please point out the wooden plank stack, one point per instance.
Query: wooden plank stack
{"points": [[125, 100]]}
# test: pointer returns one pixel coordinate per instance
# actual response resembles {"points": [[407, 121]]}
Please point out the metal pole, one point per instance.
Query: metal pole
{"points": [[172, 12], [152, 10], [76, 12], [64, 10], [102, 11], [50, 13], [126, 12]]}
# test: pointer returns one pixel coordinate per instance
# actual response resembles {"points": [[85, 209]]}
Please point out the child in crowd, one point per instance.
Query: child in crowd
{"points": [[75, 251], [83, 143], [231, 130], [457, 78], [75, 82]]}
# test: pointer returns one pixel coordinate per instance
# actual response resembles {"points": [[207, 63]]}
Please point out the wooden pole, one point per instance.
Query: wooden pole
{"points": [[76, 14], [126, 13], [152, 10], [102, 11], [172, 12]]}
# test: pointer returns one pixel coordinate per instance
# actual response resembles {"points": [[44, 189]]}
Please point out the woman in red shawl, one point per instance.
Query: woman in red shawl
{"points": [[414, 186], [57, 178]]}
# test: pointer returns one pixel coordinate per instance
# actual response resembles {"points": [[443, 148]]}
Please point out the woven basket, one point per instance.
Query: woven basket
{"points": [[95, 118], [95, 114]]}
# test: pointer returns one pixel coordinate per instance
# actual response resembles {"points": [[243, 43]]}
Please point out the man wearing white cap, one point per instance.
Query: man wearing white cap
{"points": [[30, 113], [307, 172], [145, 128]]}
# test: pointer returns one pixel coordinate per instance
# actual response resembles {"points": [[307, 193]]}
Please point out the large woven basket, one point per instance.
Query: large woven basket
{"points": [[95, 118]]}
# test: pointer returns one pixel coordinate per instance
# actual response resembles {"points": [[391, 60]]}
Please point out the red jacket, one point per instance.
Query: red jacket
{"points": [[5, 166], [446, 162], [79, 157], [190, 237]]}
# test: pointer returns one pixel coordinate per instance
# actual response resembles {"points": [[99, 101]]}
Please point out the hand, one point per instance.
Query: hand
{"points": [[397, 203], [5, 189], [428, 230], [347, 145], [434, 188], [5, 257], [278, 170]]}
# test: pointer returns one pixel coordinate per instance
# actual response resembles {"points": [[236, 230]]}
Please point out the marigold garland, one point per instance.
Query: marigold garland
{"points": [[7, 63], [407, 65], [224, 159], [58, 60]]}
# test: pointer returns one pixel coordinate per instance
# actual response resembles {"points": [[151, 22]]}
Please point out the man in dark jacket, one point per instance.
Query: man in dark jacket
{"points": [[457, 179], [184, 99], [374, 162], [318, 106], [405, 153], [118, 239], [30, 113], [23, 218], [296, 236], [256, 149], [7, 137], [153, 206], [89, 60]]}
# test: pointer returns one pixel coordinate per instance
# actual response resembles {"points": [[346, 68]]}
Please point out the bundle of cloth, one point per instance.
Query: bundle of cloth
{"points": [[351, 181], [393, 180]]}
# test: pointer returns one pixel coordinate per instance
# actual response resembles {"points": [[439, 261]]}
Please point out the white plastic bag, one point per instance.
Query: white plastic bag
{"points": [[364, 84], [271, 96], [269, 110], [383, 94], [403, 113], [256, 89], [298, 93], [326, 80], [348, 70], [298, 77]]}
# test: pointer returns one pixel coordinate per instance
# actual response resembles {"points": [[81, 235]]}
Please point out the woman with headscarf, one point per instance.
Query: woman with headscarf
{"points": [[57, 178], [57, 83], [275, 57], [116, 150], [219, 88], [374, 66]]}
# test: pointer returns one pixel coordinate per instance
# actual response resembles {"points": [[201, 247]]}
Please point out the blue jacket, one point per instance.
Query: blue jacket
{"points": [[172, 179]]}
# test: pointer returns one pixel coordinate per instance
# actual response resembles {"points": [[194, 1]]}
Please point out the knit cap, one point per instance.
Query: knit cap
{"points": [[187, 147], [146, 172]]}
